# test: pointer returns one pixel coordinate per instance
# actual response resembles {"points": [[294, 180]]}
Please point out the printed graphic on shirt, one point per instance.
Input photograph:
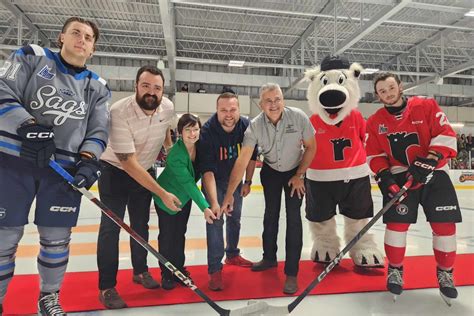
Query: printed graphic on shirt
{"points": [[399, 143], [229, 152], [338, 146]]}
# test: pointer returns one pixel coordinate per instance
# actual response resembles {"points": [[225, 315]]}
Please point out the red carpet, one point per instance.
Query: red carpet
{"points": [[79, 291]]}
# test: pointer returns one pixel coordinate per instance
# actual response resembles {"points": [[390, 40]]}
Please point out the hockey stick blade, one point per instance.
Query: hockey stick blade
{"points": [[253, 309]]}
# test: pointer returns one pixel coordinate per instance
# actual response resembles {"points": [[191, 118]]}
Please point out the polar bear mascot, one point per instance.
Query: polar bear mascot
{"points": [[338, 174]]}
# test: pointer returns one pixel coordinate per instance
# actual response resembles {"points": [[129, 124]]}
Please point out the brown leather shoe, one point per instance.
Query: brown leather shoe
{"points": [[238, 261], [146, 280], [263, 265], [291, 285], [215, 282], [111, 299]]}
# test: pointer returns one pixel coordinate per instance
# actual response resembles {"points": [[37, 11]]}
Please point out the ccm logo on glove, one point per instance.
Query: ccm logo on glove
{"points": [[424, 165], [41, 135]]}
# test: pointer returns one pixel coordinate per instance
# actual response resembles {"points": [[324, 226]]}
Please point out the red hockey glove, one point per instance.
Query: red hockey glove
{"points": [[387, 184]]}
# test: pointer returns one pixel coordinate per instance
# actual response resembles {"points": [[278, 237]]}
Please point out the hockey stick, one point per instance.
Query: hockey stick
{"points": [[284, 310], [256, 309]]}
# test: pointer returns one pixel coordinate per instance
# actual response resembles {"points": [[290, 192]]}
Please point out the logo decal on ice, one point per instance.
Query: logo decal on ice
{"points": [[46, 73], [402, 209]]}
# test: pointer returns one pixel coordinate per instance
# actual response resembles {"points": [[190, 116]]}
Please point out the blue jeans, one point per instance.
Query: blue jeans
{"points": [[215, 231]]}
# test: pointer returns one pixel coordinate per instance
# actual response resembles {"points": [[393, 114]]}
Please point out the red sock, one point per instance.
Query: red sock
{"points": [[444, 244], [395, 243]]}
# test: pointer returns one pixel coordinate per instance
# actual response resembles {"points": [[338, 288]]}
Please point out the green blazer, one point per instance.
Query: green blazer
{"points": [[178, 178]]}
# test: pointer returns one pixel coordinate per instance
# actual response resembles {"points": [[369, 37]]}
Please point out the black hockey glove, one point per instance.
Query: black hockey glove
{"points": [[387, 184], [37, 143], [422, 170], [88, 171]]}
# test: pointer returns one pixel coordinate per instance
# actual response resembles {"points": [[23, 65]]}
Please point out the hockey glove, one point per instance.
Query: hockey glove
{"points": [[387, 184], [88, 171], [422, 170], [37, 143]]}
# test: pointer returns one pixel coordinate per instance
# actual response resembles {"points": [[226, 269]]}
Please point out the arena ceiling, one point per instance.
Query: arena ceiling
{"points": [[423, 40]]}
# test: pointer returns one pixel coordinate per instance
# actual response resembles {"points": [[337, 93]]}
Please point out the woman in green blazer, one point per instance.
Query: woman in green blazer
{"points": [[179, 177]]}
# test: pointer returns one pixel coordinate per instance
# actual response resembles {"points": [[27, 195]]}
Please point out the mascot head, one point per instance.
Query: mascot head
{"points": [[334, 89]]}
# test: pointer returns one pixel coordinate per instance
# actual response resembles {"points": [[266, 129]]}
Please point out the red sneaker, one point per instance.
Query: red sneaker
{"points": [[239, 261], [215, 281]]}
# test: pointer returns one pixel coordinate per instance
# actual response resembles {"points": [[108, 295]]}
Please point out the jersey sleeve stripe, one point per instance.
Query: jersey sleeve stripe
{"points": [[445, 141], [8, 109]]}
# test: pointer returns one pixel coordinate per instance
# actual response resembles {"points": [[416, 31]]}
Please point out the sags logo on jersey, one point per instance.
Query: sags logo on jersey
{"points": [[62, 108], [46, 73], [382, 129]]}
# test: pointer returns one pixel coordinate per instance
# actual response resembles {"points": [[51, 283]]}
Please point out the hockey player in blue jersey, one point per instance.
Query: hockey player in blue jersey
{"points": [[50, 104]]}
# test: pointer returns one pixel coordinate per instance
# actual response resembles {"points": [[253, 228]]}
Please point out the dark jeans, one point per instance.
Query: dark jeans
{"points": [[273, 183], [119, 191], [172, 237], [215, 231]]}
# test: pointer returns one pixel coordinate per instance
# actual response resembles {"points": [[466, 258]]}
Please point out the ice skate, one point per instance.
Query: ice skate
{"points": [[48, 305], [447, 290], [395, 281]]}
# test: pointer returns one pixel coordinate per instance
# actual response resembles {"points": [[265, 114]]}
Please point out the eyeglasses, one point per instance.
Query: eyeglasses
{"points": [[269, 102]]}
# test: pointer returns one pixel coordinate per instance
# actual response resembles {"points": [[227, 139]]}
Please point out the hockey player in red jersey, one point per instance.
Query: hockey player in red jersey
{"points": [[413, 137], [338, 174]]}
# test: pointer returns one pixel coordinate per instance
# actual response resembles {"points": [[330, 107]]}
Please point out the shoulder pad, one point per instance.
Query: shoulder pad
{"points": [[32, 49]]}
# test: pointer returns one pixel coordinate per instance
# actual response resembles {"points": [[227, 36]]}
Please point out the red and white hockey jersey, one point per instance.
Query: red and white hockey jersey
{"points": [[395, 141], [340, 153]]}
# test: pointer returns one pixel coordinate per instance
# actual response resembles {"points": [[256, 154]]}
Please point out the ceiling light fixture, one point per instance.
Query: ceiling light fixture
{"points": [[368, 71], [236, 63]]}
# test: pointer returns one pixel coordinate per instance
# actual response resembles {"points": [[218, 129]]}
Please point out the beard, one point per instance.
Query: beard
{"points": [[395, 100], [148, 102]]}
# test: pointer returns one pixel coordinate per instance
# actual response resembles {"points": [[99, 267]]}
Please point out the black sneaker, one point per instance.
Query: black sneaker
{"points": [[168, 283], [395, 280], [48, 304]]}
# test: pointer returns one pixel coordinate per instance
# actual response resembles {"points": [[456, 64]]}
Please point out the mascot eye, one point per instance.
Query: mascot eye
{"points": [[324, 80], [341, 79]]}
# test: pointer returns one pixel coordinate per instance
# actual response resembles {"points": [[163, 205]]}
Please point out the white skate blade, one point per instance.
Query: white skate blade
{"points": [[446, 299]]}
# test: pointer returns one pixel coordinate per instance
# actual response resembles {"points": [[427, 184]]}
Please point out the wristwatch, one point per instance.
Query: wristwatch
{"points": [[249, 182], [301, 176]]}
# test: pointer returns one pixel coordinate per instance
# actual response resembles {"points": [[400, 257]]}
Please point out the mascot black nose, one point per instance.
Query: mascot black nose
{"points": [[332, 98]]}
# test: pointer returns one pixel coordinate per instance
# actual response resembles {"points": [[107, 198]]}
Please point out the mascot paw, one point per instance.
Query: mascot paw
{"points": [[368, 258], [322, 254]]}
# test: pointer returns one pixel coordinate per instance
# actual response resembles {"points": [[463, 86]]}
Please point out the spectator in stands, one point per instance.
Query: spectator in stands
{"points": [[201, 89], [184, 88], [227, 89]]}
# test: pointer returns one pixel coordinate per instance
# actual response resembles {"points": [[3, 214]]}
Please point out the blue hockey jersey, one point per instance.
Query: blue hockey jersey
{"points": [[34, 83]]}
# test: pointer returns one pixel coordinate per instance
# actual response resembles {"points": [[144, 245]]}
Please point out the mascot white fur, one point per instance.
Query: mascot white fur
{"points": [[338, 174]]}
